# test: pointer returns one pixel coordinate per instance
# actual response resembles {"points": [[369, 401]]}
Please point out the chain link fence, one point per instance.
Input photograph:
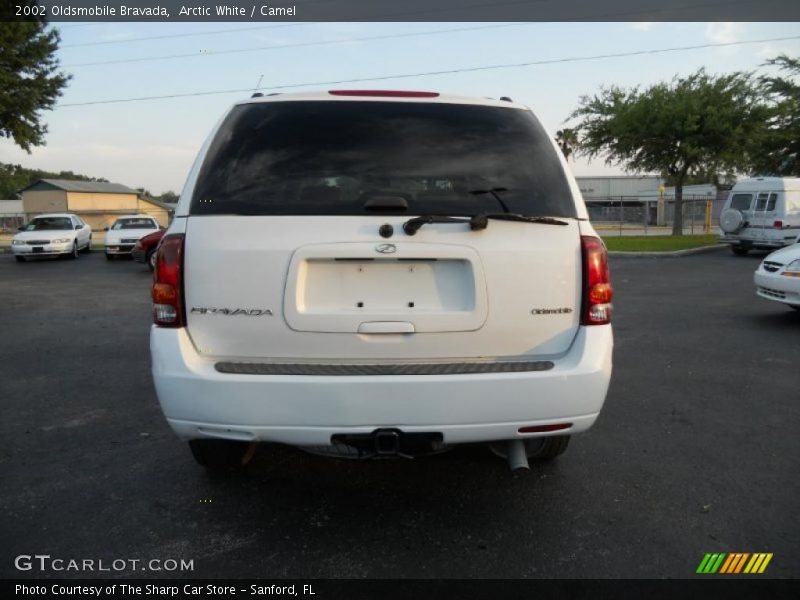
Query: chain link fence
{"points": [[630, 215], [9, 223]]}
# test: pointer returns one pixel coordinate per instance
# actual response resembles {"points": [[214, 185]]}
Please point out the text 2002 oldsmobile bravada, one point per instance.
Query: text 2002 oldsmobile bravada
{"points": [[375, 273]]}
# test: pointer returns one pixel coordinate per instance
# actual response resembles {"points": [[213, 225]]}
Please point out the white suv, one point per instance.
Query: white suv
{"points": [[370, 273]]}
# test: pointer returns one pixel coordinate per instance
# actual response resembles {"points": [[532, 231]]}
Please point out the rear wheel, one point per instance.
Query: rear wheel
{"points": [[20, 258], [794, 306], [88, 247], [151, 259], [222, 454], [109, 256], [543, 448], [740, 250]]}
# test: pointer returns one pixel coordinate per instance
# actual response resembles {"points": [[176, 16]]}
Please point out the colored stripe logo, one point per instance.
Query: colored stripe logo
{"points": [[734, 563]]}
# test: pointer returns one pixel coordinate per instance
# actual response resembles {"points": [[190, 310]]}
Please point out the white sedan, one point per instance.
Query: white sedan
{"points": [[52, 235], [778, 276], [122, 236]]}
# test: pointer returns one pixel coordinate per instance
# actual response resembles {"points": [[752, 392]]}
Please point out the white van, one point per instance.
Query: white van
{"points": [[370, 273], [761, 212]]}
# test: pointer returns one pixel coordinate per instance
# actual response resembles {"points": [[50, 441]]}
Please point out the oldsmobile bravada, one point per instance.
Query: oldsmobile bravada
{"points": [[379, 273]]}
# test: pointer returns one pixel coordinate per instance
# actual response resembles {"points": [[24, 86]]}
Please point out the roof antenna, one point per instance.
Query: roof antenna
{"points": [[256, 93]]}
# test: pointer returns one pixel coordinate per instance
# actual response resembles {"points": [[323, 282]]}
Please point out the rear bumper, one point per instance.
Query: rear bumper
{"points": [[749, 242], [200, 402], [139, 255], [119, 249]]}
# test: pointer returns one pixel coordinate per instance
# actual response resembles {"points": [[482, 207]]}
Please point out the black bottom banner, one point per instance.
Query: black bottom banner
{"points": [[412, 589]]}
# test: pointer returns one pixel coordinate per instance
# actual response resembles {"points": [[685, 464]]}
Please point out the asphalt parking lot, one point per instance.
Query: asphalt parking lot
{"points": [[696, 451]]}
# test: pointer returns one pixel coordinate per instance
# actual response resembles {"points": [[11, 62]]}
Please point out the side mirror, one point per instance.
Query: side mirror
{"points": [[22, 228], [78, 226]]}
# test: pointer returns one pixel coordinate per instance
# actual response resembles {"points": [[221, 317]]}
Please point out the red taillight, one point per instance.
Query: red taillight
{"points": [[384, 93], [168, 308], [597, 290], [544, 428], [778, 224]]}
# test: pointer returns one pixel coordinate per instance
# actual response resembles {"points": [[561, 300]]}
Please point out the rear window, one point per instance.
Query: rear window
{"points": [[333, 158], [766, 201], [134, 224], [773, 199], [741, 201]]}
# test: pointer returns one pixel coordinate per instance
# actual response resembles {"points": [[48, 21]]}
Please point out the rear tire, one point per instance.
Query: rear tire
{"points": [[794, 306], [88, 247], [109, 256], [20, 258], [151, 259], [740, 250], [543, 448], [222, 454], [552, 447]]}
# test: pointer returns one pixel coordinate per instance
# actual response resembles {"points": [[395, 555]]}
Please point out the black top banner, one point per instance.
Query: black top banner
{"points": [[399, 10]]}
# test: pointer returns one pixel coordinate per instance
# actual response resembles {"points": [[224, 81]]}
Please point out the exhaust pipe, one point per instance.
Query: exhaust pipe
{"points": [[516, 454]]}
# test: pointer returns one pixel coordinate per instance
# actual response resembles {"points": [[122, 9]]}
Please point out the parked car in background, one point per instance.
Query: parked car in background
{"points": [[778, 276], [59, 234], [761, 212], [371, 274], [122, 236], [144, 251]]}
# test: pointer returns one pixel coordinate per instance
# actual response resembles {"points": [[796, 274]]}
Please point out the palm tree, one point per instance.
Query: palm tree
{"points": [[567, 140]]}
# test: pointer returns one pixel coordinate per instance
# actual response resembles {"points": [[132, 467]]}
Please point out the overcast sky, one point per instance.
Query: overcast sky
{"points": [[152, 143]]}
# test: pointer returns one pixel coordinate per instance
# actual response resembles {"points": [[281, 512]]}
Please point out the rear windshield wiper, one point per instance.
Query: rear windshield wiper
{"points": [[482, 221], [476, 222], [412, 225], [495, 193]]}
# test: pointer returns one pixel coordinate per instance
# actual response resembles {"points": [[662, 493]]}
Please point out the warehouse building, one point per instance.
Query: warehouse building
{"points": [[97, 203], [646, 199]]}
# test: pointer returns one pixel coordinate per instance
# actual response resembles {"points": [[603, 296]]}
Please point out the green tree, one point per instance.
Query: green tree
{"points": [[701, 176], [169, 197], [30, 81], [683, 127], [15, 177], [567, 140], [777, 152]]}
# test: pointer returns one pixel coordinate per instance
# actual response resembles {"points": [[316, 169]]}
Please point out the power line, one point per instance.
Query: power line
{"points": [[73, 25], [604, 16], [181, 35], [295, 45], [443, 72]]}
